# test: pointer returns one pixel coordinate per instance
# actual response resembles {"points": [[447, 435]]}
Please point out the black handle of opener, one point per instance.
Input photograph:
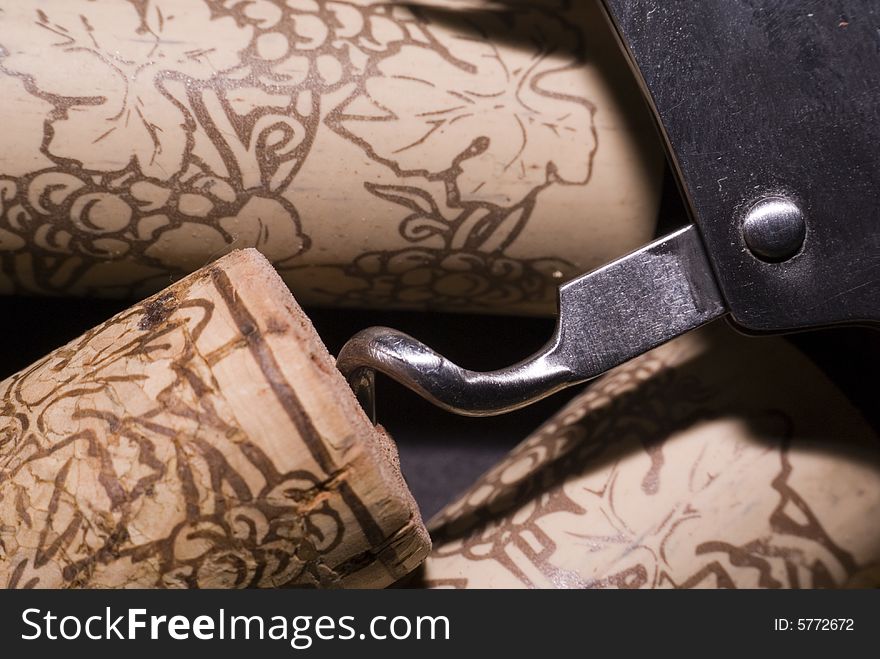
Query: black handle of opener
{"points": [[766, 98]]}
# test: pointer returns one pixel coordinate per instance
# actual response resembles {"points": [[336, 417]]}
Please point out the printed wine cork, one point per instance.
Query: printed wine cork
{"points": [[202, 438], [715, 461], [465, 155]]}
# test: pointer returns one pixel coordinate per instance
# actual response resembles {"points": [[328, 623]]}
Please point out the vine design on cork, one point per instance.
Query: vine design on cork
{"points": [[169, 491], [205, 112], [542, 495]]}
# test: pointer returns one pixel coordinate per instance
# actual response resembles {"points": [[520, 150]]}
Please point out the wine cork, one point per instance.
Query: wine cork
{"points": [[715, 461], [202, 438], [463, 155]]}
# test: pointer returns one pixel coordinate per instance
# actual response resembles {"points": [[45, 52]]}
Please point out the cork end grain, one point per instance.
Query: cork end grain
{"points": [[354, 443]]}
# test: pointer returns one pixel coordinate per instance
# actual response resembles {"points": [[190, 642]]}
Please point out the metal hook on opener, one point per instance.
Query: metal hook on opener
{"points": [[606, 317], [444, 383]]}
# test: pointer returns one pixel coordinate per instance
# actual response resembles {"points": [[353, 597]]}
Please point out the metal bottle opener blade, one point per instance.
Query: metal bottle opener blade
{"points": [[605, 318]]}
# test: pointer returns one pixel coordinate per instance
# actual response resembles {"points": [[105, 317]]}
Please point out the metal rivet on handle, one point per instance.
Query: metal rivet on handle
{"points": [[774, 229]]}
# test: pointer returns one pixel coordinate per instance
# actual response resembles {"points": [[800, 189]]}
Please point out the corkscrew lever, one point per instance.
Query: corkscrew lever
{"points": [[606, 317]]}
